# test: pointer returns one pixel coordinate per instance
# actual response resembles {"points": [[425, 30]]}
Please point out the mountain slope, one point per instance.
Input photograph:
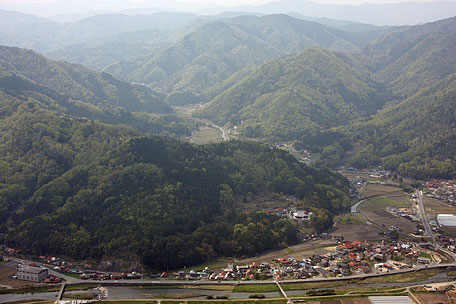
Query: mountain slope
{"points": [[216, 50], [80, 92], [416, 137], [85, 189], [414, 58], [382, 102], [79, 83], [297, 96]]}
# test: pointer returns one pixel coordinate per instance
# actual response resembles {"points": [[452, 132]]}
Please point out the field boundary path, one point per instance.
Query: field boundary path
{"points": [[62, 290], [289, 301]]}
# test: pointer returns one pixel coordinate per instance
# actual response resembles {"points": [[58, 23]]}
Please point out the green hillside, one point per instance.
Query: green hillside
{"points": [[203, 59], [297, 96], [80, 92], [391, 104], [75, 186], [84, 189]]}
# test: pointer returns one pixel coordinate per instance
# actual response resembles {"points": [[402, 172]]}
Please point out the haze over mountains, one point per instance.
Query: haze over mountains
{"points": [[378, 14], [276, 77]]}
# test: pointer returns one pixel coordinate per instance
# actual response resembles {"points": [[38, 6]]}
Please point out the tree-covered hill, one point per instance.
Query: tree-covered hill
{"points": [[416, 137], [297, 96], [414, 133], [42, 35], [382, 102], [216, 50], [85, 189], [80, 92], [80, 83], [414, 58]]}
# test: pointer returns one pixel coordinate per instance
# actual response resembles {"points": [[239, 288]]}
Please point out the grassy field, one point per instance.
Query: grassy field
{"points": [[377, 189], [130, 302], [404, 277], [211, 287], [80, 296], [315, 285], [80, 287], [234, 302], [206, 135], [256, 288], [30, 289], [73, 275], [173, 295], [381, 203]]}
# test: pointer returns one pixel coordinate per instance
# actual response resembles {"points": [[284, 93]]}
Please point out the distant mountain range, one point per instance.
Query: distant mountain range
{"points": [[216, 53], [378, 14]]}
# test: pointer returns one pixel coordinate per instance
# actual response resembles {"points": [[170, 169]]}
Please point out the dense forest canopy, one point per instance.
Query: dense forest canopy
{"points": [[393, 102], [82, 188]]}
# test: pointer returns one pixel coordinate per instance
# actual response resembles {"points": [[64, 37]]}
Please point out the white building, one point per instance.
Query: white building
{"points": [[33, 274], [446, 220]]}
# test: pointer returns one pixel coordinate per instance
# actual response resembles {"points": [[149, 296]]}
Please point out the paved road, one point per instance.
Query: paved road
{"points": [[354, 208], [427, 228]]}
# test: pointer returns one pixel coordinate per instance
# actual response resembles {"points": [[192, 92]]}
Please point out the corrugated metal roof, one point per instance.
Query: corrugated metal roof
{"points": [[391, 300], [446, 220]]}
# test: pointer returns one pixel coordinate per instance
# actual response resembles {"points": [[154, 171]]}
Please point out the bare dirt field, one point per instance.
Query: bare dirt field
{"points": [[377, 189], [436, 207], [357, 232], [380, 216], [449, 231], [299, 251], [429, 298], [5, 273]]}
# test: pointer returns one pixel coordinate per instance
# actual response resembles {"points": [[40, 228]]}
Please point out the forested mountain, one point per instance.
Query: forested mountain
{"points": [[17, 29], [414, 58], [416, 137], [297, 96], [41, 34], [84, 189], [79, 83], [80, 92], [383, 101], [414, 134], [205, 58], [75, 186]]}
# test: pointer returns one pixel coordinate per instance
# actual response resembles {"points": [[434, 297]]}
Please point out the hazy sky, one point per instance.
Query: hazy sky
{"points": [[247, 2]]}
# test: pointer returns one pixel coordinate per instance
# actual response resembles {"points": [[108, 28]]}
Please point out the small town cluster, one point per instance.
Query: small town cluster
{"points": [[349, 258], [444, 191]]}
